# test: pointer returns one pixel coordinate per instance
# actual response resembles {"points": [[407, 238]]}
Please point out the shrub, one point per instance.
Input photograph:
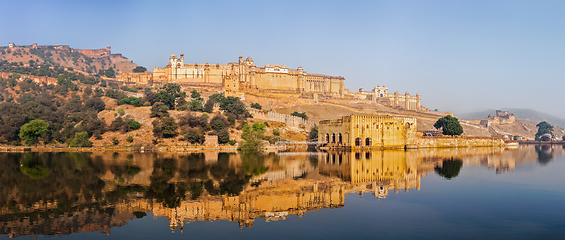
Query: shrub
{"points": [[121, 111], [129, 139], [256, 106]]}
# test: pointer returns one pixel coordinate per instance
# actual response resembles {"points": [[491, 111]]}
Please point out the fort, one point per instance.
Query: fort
{"points": [[244, 76], [500, 118]]}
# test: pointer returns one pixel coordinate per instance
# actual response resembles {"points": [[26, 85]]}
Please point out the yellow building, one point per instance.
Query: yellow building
{"points": [[374, 172], [244, 75], [367, 132]]}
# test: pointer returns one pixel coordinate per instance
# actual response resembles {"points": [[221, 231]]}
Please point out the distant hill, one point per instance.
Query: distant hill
{"points": [[87, 61], [522, 114]]}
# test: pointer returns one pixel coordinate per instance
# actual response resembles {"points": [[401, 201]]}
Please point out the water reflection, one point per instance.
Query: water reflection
{"points": [[62, 193]]}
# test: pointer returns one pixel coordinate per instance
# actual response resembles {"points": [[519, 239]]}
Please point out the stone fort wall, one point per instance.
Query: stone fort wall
{"points": [[36, 79], [290, 121]]}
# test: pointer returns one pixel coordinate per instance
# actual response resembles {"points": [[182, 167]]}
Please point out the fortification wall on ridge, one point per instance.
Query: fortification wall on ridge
{"points": [[290, 121], [36, 79]]}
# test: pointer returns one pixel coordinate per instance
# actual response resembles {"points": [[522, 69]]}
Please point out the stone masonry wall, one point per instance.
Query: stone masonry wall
{"points": [[290, 121], [36, 79], [453, 142]]}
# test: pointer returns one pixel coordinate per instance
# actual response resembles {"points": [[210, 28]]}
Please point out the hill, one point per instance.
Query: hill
{"points": [[519, 113], [86, 61]]}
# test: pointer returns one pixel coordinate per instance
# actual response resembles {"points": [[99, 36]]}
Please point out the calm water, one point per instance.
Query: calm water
{"points": [[478, 193]]}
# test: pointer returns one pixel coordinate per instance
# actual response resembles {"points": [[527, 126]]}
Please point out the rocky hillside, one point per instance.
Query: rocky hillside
{"points": [[64, 56]]}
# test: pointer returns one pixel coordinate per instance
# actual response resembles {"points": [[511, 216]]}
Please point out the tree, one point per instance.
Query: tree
{"points": [[110, 72], [543, 128], [165, 127], [302, 115], [194, 135], [253, 136], [139, 69], [450, 125], [313, 133], [449, 169], [169, 93], [81, 140], [223, 136], [30, 132], [256, 106], [218, 123], [159, 110], [209, 106]]}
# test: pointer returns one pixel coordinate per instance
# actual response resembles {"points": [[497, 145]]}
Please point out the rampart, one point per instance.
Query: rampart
{"points": [[290, 121], [36, 79], [455, 142]]}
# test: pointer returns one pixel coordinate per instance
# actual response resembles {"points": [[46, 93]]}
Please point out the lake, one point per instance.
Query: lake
{"points": [[463, 193]]}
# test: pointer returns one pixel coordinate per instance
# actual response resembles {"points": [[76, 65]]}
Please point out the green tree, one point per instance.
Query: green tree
{"points": [[196, 95], [110, 72], [196, 105], [194, 135], [159, 110], [256, 106], [165, 127], [302, 115], [139, 69], [543, 128], [169, 94], [31, 131], [450, 125], [81, 140], [253, 136], [223, 136], [313, 133], [209, 106], [449, 169]]}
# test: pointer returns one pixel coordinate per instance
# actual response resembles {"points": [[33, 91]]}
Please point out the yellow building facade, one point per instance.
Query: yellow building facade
{"points": [[367, 132], [245, 75]]}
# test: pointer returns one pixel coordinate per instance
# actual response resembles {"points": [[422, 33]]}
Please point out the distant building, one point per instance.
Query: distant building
{"points": [[500, 118]]}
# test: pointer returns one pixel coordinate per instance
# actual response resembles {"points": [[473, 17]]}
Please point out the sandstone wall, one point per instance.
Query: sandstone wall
{"points": [[454, 142], [290, 121], [36, 79]]}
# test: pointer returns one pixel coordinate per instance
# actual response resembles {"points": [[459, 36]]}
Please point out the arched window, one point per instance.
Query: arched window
{"points": [[333, 137], [368, 142], [368, 155], [357, 155], [358, 142], [327, 138], [339, 139]]}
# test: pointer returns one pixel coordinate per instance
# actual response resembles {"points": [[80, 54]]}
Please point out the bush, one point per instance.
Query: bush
{"points": [[313, 133], [159, 110], [81, 140], [256, 106], [129, 139], [301, 115], [165, 127], [194, 135], [115, 141], [121, 111], [219, 123]]}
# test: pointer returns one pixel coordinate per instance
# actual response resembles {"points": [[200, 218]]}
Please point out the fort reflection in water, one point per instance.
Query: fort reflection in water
{"points": [[62, 193]]}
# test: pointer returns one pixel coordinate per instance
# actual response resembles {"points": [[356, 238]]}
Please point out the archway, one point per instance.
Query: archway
{"points": [[327, 138], [333, 137], [339, 138], [358, 142], [368, 142]]}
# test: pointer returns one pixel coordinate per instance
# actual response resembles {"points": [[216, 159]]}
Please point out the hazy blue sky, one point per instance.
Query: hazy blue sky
{"points": [[462, 56]]}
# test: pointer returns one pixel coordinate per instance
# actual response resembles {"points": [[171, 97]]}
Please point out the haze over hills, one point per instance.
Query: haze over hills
{"points": [[519, 113]]}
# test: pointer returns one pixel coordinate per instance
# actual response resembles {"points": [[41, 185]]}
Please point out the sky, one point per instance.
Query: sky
{"points": [[461, 56]]}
